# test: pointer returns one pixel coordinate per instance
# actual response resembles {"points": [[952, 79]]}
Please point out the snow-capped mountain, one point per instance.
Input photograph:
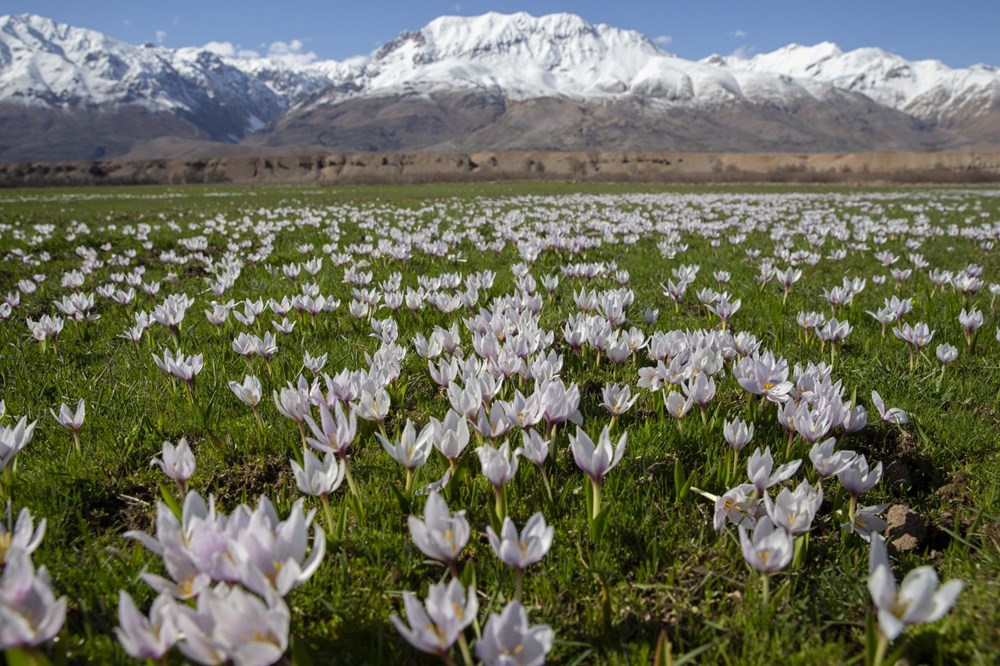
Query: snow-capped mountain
{"points": [[926, 89], [495, 81]]}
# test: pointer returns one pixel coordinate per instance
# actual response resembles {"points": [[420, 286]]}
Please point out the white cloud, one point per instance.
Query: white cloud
{"points": [[126, 22], [739, 34], [291, 52], [663, 40], [743, 52], [229, 50], [160, 36]]}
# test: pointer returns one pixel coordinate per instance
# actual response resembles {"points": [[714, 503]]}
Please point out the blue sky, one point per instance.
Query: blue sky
{"points": [[960, 32]]}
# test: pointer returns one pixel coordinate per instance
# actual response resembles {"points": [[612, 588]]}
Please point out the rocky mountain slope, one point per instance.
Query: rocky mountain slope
{"points": [[490, 82]]}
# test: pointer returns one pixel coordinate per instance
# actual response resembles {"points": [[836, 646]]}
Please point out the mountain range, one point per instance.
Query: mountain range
{"points": [[490, 82]]}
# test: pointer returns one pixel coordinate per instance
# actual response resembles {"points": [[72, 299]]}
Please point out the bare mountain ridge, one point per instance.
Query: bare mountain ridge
{"points": [[491, 82]]}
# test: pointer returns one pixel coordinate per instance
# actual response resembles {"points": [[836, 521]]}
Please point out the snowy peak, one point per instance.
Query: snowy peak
{"points": [[552, 39], [495, 64], [515, 54], [927, 89]]}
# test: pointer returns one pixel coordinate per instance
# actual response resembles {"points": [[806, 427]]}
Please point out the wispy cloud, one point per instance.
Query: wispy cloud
{"points": [[739, 34], [160, 36], [229, 50], [743, 52], [663, 40], [292, 52]]}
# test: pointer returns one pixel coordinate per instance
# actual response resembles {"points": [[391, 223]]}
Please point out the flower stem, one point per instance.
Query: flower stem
{"points": [[596, 485], [463, 646], [518, 584], [545, 482], [501, 502], [331, 523], [883, 645], [766, 588], [350, 480]]}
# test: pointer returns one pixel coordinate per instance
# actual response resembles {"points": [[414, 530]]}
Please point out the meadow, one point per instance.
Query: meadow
{"points": [[642, 366]]}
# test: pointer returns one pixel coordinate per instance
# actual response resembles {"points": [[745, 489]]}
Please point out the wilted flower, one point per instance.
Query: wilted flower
{"points": [[893, 414]]}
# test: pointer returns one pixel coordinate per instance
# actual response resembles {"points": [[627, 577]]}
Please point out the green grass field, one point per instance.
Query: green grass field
{"points": [[660, 566]]}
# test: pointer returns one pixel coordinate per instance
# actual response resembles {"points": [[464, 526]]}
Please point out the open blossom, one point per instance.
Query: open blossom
{"points": [[769, 549], [597, 459], [30, 614], [738, 505], [336, 429], [917, 600], [68, 419], [318, 478], [411, 450], [13, 439], [737, 433], [441, 535], [533, 447], [434, 625], [249, 392], [231, 624], [451, 435], [254, 547], [828, 462], [499, 465], [946, 353], [25, 538], [508, 639], [145, 637], [521, 550], [794, 510], [970, 320], [759, 469], [867, 521], [177, 462], [856, 476]]}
